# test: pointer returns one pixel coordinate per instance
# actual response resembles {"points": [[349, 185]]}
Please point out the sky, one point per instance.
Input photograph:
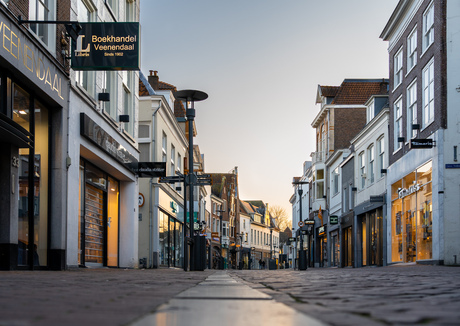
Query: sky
{"points": [[260, 62]]}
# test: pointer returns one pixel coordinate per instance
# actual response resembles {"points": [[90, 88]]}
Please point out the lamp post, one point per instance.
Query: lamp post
{"points": [[302, 252], [191, 96]]}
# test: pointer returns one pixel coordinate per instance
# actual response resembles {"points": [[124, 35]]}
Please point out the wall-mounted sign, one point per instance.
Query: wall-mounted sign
{"points": [[107, 46], [141, 200], [92, 131], [421, 143], [333, 219], [20, 52], [149, 169], [309, 222], [452, 166], [174, 206], [291, 239], [376, 199]]}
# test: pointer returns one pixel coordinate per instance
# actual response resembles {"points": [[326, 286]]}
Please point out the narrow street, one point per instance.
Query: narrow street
{"points": [[394, 295]]}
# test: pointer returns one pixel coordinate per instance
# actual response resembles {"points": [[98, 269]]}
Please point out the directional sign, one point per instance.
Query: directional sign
{"points": [[171, 179]]}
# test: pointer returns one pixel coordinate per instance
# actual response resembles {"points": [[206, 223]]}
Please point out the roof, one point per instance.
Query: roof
{"points": [[144, 87], [358, 91], [329, 91]]}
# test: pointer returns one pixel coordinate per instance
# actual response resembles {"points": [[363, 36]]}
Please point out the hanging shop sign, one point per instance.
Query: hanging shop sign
{"points": [[421, 143], [149, 169], [107, 46], [309, 222], [92, 131], [291, 239], [18, 51], [333, 219]]}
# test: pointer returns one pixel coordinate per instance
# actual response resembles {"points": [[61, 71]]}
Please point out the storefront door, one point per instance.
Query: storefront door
{"points": [[347, 252], [99, 213]]}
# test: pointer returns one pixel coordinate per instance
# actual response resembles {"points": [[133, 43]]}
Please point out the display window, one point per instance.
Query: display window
{"points": [[34, 186], [411, 216], [171, 240]]}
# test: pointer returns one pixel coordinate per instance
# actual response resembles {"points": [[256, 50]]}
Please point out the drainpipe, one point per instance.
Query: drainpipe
{"points": [[151, 191]]}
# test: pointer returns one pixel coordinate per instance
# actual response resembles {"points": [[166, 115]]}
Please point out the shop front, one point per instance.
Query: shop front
{"points": [[347, 240], [411, 216], [321, 246], [171, 228], [34, 101], [370, 234]]}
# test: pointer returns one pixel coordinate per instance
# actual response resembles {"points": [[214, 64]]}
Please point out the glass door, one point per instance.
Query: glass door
{"points": [[112, 222]]}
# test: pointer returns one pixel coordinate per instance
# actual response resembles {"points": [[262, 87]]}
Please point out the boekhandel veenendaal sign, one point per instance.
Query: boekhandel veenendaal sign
{"points": [[107, 46]]}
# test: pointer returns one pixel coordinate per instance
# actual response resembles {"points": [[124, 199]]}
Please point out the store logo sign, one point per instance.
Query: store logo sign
{"points": [[403, 192]]}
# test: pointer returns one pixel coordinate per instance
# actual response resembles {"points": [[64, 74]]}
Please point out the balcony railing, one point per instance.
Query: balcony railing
{"points": [[318, 157]]}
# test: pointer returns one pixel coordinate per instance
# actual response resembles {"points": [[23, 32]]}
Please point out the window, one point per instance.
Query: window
{"points": [[428, 93], [381, 149], [173, 157], [412, 49], [179, 163], [335, 180], [398, 123], [128, 100], [428, 27], [362, 170], [144, 132], [164, 150], [144, 156], [44, 10], [398, 68], [86, 79], [224, 229], [371, 111], [319, 184], [113, 6], [130, 11], [411, 110], [371, 158], [110, 79]]}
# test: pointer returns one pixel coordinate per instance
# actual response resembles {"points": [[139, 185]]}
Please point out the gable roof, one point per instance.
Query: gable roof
{"points": [[358, 91]]}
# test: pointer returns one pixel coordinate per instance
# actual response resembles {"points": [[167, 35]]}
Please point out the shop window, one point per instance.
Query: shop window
{"points": [[412, 216]]}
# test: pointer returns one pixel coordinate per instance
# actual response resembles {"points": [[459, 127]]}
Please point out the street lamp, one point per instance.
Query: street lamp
{"points": [[302, 253], [191, 96]]}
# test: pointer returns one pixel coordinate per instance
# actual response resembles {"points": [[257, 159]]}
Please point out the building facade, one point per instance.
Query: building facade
{"points": [[422, 183], [102, 221], [34, 112]]}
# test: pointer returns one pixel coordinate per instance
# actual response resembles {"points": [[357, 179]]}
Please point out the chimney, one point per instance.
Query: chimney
{"points": [[153, 79]]}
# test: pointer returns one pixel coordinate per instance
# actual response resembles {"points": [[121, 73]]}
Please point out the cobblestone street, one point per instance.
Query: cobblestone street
{"points": [[394, 295]]}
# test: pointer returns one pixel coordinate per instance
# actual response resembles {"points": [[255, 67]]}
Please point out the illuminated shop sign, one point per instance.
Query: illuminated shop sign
{"points": [[107, 46], [92, 131], [403, 192], [20, 52]]}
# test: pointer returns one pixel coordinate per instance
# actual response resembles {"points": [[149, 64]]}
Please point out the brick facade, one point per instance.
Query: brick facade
{"points": [[435, 51], [352, 121]]}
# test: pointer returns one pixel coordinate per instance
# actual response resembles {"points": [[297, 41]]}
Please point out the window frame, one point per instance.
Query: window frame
{"points": [[411, 109], [428, 109], [398, 130], [428, 30], [362, 170], [412, 49], [398, 68]]}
